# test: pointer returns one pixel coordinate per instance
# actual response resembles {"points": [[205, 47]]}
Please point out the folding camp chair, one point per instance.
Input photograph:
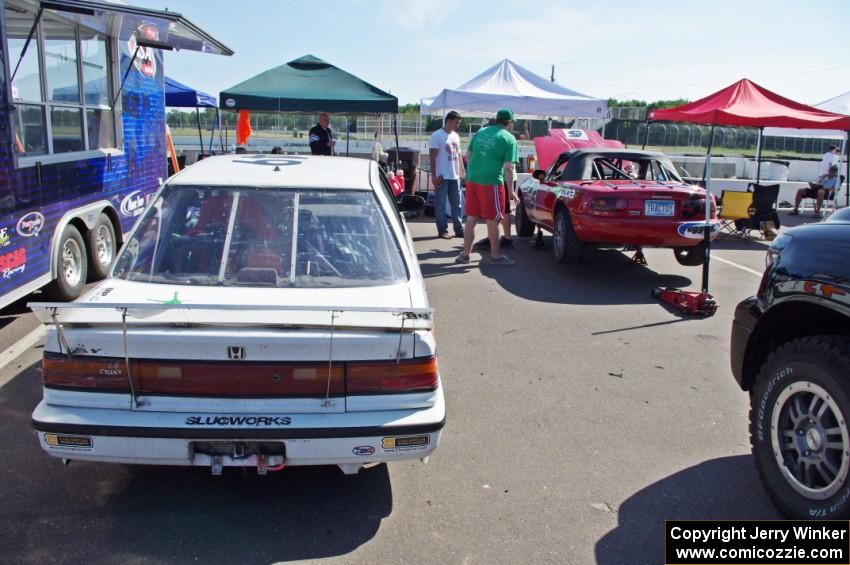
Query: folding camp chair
{"points": [[764, 209], [734, 210]]}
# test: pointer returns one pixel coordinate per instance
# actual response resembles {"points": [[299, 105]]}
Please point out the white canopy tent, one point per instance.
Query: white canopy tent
{"points": [[839, 105], [507, 85]]}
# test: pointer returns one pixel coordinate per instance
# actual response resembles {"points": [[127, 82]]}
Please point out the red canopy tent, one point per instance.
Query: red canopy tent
{"points": [[746, 104]]}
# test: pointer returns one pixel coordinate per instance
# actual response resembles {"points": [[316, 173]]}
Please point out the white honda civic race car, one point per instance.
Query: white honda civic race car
{"points": [[265, 311]]}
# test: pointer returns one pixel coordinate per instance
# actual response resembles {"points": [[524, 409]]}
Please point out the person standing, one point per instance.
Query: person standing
{"points": [[446, 172], [321, 137], [492, 154], [829, 159]]}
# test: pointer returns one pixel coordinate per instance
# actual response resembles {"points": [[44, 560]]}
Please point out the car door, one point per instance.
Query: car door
{"points": [[546, 195]]}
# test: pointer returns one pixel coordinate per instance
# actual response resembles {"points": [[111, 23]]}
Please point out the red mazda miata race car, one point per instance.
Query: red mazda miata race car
{"points": [[617, 197]]}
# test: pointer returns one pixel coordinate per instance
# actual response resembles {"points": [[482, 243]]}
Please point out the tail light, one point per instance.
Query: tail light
{"points": [[607, 206], [417, 375], [241, 379], [102, 374]]}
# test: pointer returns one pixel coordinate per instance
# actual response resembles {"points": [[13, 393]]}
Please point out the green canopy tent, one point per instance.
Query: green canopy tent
{"points": [[308, 84]]}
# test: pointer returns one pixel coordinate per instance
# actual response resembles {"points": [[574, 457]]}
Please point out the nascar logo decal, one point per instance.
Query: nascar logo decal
{"points": [[695, 230]]}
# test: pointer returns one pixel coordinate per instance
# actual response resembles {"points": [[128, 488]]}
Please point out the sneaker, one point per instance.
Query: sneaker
{"points": [[502, 260], [482, 245], [444, 235], [463, 259], [506, 243]]}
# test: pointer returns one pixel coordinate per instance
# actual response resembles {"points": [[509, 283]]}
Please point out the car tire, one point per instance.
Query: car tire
{"points": [[690, 256], [799, 416], [102, 247], [71, 266], [566, 245], [524, 227]]}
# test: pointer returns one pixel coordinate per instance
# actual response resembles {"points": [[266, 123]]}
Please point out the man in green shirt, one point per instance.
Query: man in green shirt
{"points": [[492, 153]]}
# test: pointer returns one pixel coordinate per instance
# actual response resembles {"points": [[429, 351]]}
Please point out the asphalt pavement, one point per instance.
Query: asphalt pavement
{"points": [[582, 413]]}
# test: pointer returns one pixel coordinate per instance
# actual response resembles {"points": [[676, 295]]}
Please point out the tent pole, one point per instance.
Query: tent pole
{"points": [[220, 136], [758, 155], [347, 135], [395, 127], [707, 231], [708, 152], [646, 132], [200, 136], [847, 176]]}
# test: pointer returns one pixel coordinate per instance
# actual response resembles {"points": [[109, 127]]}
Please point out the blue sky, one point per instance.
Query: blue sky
{"points": [[623, 49]]}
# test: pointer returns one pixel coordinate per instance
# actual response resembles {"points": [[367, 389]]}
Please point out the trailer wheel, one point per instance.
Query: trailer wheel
{"points": [[71, 266], [101, 248]]}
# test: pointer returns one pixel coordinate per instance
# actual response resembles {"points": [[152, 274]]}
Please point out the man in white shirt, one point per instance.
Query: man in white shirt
{"points": [[829, 159], [446, 172]]}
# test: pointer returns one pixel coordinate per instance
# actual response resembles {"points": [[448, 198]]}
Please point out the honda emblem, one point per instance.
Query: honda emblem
{"points": [[236, 352]]}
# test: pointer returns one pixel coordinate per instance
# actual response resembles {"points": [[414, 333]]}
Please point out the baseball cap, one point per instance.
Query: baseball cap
{"points": [[833, 147], [504, 115]]}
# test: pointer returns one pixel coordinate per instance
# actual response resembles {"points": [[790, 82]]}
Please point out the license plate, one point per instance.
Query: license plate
{"points": [[658, 208]]}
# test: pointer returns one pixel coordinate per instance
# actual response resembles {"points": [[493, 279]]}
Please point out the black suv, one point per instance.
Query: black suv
{"points": [[791, 351]]}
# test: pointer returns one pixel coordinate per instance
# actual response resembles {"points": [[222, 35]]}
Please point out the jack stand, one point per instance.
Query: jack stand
{"points": [[693, 303], [538, 241], [639, 257]]}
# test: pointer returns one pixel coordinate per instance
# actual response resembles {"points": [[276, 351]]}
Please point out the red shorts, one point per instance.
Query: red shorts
{"points": [[485, 201]]}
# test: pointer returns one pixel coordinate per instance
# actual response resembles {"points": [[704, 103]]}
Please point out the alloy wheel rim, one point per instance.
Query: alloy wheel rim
{"points": [[71, 262], [104, 246], [560, 232], [809, 438]]}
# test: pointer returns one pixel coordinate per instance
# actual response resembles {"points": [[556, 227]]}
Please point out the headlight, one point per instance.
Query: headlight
{"points": [[775, 250]]}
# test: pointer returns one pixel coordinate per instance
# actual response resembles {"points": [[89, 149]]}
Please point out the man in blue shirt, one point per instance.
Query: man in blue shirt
{"points": [[825, 188]]}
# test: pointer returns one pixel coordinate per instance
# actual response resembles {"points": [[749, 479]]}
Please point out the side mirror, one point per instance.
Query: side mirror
{"points": [[538, 174]]}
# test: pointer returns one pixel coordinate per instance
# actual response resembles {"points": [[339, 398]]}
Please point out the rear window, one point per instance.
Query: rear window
{"points": [[263, 237]]}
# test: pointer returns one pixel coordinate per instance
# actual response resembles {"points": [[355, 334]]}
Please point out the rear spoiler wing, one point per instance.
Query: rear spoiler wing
{"points": [[401, 320], [338, 317]]}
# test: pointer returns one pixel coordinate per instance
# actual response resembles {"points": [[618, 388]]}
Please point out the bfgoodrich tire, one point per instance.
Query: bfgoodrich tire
{"points": [[102, 246], [71, 266], [566, 246], [524, 227], [799, 410], [690, 256]]}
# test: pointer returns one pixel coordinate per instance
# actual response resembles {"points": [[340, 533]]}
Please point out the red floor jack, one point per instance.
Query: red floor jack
{"points": [[693, 303]]}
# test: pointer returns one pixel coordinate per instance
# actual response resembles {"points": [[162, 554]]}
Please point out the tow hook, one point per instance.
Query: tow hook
{"points": [[216, 465]]}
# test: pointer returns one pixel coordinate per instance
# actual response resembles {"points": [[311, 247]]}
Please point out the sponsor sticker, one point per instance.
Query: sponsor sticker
{"points": [[695, 230], [30, 224], [405, 443], [230, 103], [133, 204], [363, 450], [4, 237], [246, 421], [13, 262], [77, 443], [145, 61]]}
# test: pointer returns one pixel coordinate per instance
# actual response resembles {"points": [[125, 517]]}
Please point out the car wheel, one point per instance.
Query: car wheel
{"points": [[799, 411], [102, 246], [71, 266], [566, 245], [690, 256], [524, 227]]}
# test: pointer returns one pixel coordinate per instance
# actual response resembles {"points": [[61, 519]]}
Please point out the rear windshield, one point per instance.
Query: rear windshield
{"points": [[263, 237]]}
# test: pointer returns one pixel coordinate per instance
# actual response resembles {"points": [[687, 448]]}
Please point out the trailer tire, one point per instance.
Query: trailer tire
{"points": [[102, 247], [71, 266]]}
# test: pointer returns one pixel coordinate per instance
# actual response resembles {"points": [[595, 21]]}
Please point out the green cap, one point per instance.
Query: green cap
{"points": [[504, 115]]}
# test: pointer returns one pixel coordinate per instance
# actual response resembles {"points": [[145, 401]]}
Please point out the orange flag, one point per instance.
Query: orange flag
{"points": [[243, 127]]}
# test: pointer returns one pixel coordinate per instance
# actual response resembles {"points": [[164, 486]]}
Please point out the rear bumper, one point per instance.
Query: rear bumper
{"points": [[649, 232], [158, 438]]}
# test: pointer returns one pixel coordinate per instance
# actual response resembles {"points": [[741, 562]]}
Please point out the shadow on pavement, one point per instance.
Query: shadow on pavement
{"points": [[104, 513], [604, 276], [726, 488]]}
